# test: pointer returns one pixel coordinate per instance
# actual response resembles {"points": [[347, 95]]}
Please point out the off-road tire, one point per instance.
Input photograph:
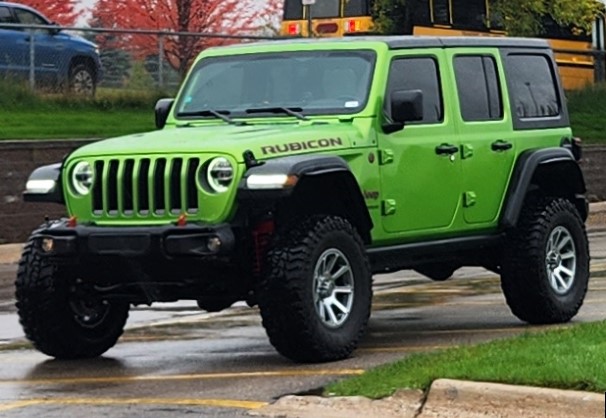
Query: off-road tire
{"points": [[525, 272], [82, 81], [286, 295], [44, 305]]}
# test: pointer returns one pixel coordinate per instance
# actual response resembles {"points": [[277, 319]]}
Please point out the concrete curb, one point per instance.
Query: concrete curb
{"points": [[10, 253], [447, 399]]}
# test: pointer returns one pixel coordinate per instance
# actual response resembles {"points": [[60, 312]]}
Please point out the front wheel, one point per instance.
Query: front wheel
{"points": [[82, 81], [57, 318], [545, 273], [316, 296]]}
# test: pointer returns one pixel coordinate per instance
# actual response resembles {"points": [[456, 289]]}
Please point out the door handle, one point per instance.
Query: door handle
{"points": [[446, 149], [501, 145]]}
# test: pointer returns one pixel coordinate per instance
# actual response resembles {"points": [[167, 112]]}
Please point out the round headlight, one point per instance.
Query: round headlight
{"points": [[219, 174], [82, 178]]}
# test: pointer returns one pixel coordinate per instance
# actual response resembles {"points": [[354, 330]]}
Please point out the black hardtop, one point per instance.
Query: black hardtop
{"points": [[413, 42]]}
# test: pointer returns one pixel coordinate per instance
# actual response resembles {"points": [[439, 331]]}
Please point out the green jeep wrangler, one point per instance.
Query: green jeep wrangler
{"points": [[287, 173]]}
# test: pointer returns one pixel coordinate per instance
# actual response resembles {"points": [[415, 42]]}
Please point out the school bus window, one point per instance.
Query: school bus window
{"points": [[469, 13], [293, 10], [353, 8], [441, 12], [325, 9]]}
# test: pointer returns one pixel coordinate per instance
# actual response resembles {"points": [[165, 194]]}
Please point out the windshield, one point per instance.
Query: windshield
{"points": [[311, 83]]}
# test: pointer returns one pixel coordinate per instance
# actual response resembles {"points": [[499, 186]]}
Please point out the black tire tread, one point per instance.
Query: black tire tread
{"points": [[284, 310], [522, 277], [47, 320]]}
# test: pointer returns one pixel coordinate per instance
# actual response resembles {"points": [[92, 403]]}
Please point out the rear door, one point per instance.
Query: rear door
{"points": [[485, 131]]}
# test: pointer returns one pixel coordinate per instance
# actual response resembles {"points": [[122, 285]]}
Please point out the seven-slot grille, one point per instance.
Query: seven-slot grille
{"points": [[145, 186]]}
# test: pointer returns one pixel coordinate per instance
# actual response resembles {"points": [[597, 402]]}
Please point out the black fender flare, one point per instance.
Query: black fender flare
{"points": [[307, 168], [50, 172], [531, 162]]}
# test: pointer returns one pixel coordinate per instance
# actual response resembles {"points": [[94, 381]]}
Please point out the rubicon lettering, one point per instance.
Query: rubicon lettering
{"points": [[303, 145]]}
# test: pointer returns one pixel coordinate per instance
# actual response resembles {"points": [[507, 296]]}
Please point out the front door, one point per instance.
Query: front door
{"points": [[420, 165]]}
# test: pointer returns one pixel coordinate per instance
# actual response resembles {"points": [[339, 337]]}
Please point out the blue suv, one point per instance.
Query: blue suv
{"points": [[62, 60]]}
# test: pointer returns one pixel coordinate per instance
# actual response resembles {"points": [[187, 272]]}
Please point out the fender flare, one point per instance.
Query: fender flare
{"points": [[51, 172], [307, 167], [527, 165]]}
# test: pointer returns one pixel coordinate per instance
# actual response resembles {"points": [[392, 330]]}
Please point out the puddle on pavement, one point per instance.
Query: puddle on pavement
{"points": [[434, 293]]}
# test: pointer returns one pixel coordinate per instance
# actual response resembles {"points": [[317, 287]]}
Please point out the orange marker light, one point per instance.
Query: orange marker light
{"points": [[72, 222], [182, 221]]}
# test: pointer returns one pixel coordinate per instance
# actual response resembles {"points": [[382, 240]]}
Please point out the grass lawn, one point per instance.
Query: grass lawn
{"points": [[587, 110], [24, 115], [73, 123], [568, 358]]}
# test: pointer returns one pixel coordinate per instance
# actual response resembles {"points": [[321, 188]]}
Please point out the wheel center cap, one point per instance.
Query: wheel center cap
{"points": [[326, 287], [553, 260]]}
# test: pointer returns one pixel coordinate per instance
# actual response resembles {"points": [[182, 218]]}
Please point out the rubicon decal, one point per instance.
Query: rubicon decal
{"points": [[303, 145]]}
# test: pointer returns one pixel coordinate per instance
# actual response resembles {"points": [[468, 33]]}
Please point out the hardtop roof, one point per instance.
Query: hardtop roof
{"points": [[411, 42]]}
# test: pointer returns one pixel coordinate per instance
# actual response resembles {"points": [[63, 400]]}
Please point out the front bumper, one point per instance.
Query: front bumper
{"points": [[193, 240]]}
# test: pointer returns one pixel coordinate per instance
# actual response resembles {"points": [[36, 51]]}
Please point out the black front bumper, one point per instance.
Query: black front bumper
{"points": [[192, 240]]}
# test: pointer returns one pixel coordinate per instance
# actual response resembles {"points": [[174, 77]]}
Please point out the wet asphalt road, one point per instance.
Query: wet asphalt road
{"points": [[173, 359]]}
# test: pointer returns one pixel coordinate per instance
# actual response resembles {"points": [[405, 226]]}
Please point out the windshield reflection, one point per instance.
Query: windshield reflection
{"points": [[308, 83]]}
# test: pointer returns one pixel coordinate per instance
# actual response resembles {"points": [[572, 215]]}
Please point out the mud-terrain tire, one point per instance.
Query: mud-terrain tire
{"points": [[55, 320], [313, 268], [545, 270]]}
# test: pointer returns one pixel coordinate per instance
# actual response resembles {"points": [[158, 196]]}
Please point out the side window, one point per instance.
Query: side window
{"points": [[478, 88], [28, 18], [418, 73], [533, 86], [5, 15]]}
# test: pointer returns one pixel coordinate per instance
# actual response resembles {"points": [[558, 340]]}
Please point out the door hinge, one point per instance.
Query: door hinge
{"points": [[388, 207], [469, 199], [467, 151], [385, 156]]}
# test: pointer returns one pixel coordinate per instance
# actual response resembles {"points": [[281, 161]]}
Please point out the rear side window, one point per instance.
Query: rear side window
{"points": [[533, 86], [478, 87], [418, 73]]}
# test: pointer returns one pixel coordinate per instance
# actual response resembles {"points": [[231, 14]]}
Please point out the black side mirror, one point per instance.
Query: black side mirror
{"points": [[163, 108], [54, 30], [406, 106]]}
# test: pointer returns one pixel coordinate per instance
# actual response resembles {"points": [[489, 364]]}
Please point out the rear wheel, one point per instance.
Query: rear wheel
{"points": [[545, 273], [60, 318], [316, 296]]}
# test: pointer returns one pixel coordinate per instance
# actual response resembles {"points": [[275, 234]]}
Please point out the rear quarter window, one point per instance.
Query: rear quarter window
{"points": [[534, 91]]}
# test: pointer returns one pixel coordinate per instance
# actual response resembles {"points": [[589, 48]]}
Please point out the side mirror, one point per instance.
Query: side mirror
{"points": [[163, 108], [406, 106], [54, 30]]}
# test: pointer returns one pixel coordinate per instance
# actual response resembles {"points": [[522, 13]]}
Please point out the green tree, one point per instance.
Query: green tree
{"points": [[525, 17], [517, 17]]}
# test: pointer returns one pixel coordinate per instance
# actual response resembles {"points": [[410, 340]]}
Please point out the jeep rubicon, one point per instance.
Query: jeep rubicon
{"points": [[287, 173]]}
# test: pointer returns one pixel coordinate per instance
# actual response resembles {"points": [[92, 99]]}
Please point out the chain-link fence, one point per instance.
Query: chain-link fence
{"points": [[84, 59], [81, 60]]}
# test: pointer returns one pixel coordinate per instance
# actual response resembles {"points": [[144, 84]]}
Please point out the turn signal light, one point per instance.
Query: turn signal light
{"points": [[352, 26]]}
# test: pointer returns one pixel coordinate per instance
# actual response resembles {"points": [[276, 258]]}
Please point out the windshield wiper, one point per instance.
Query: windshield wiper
{"points": [[221, 114], [291, 111]]}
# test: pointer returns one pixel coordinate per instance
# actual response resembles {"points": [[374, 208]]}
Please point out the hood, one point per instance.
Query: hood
{"points": [[71, 36], [265, 141]]}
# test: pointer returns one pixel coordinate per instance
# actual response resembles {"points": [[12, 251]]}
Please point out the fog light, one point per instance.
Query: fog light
{"points": [[213, 244], [47, 245]]}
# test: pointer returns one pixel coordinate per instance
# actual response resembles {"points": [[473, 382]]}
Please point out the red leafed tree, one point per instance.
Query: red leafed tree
{"points": [[227, 17], [63, 12]]}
